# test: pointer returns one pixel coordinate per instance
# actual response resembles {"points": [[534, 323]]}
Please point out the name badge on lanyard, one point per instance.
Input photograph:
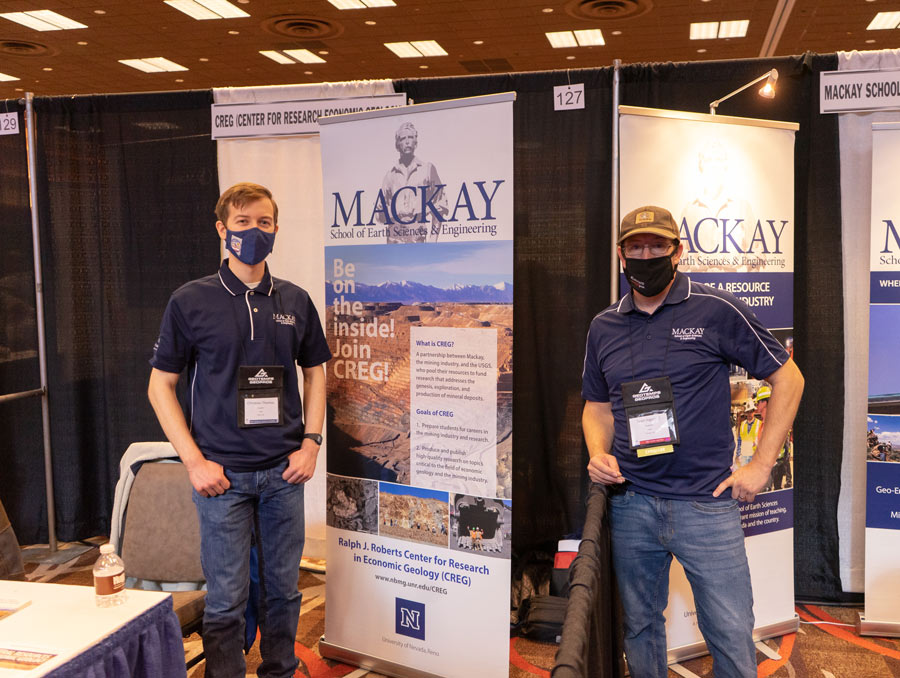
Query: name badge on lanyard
{"points": [[260, 390], [650, 415]]}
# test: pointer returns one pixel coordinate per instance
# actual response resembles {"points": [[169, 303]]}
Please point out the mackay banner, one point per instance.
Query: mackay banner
{"points": [[729, 183], [882, 613], [419, 290]]}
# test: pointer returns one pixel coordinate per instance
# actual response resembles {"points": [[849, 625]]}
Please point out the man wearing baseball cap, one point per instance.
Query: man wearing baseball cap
{"points": [[657, 425]]}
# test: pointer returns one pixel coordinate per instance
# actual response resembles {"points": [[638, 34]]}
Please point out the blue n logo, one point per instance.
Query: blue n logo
{"points": [[409, 619]]}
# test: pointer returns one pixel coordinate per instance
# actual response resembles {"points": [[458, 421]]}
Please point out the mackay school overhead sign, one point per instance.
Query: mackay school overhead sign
{"points": [[856, 91]]}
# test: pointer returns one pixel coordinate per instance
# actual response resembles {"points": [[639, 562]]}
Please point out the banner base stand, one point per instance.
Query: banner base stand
{"points": [[369, 662], [871, 627], [685, 652]]}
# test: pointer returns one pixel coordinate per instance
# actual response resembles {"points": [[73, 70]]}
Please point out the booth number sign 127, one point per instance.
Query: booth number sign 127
{"points": [[568, 97]]}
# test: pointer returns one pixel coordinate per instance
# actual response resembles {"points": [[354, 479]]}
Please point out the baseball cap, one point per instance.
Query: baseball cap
{"points": [[649, 219]]}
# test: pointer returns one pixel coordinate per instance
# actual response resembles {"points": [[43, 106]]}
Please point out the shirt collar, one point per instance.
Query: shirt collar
{"points": [[679, 291], [235, 287]]}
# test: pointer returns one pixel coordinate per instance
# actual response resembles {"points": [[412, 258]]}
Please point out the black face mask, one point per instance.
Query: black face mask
{"points": [[649, 277]]}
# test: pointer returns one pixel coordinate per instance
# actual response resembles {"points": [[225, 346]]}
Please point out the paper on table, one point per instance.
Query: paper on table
{"points": [[22, 658], [10, 605]]}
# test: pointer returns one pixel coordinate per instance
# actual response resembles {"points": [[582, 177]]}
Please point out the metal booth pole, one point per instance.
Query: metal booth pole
{"points": [[614, 260], [39, 308]]}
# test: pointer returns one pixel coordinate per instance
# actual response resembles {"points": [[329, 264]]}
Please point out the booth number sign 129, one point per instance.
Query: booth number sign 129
{"points": [[568, 97], [9, 123]]}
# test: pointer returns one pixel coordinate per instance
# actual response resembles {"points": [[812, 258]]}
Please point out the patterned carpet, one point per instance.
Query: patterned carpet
{"points": [[826, 646]]}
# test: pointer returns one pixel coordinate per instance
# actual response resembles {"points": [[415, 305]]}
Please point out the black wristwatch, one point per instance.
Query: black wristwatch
{"points": [[316, 437]]}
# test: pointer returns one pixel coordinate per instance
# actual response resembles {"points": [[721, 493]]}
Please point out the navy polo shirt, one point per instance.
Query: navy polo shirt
{"points": [[215, 324], [692, 338]]}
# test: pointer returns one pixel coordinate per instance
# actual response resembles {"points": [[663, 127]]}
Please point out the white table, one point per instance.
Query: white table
{"points": [[63, 620]]}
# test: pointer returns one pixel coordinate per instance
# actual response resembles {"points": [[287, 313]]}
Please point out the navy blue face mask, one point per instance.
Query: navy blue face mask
{"points": [[250, 246]]}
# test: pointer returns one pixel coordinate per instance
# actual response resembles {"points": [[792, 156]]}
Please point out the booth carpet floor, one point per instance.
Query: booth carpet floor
{"points": [[818, 650]]}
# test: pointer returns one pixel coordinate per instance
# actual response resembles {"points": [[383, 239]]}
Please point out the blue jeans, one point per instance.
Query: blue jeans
{"points": [[707, 539], [264, 503]]}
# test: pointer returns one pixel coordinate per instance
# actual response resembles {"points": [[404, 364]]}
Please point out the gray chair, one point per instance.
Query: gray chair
{"points": [[11, 566], [161, 540]]}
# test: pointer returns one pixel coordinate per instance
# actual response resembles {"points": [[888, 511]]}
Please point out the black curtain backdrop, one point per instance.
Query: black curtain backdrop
{"points": [[562, 174], [561, 280], [127, 185], [21, 448]]}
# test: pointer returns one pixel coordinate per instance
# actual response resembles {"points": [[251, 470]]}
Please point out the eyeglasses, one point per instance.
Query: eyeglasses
{"points": [[657, 249]]}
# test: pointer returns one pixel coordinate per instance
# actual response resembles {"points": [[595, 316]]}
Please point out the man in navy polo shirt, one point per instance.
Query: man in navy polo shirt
{"points": [[657, 425], [251, 440]]}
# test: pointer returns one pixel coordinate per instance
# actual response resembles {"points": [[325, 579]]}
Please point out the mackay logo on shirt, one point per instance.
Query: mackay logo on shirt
{"points": [[285, 318], [688, 333], [261, 378]]}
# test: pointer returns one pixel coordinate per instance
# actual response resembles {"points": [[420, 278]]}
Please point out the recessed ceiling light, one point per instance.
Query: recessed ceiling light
{"points": [[707, 30], [234, 32], [562, 39], [370, 23], [46, 68], [323, 52], [43, 20], [404, 50], [734, 29], [590, 37], [429, 48], [179, 79], [423, 66], [82, 43], [547, 10], [571, 57], [308, 72], [478, 42], [417, 48], [99, 11], [207, 9], [203, 59], [19, 89], [153, 65], [362, 4], [304, 56], [276, 56], [884, 20], [7, 78], [617, 33], [702, 50], [869, 41]]}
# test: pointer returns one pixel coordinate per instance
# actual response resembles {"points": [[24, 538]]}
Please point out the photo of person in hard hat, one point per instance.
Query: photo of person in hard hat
{"points": [[782, 476], [750, 425]]}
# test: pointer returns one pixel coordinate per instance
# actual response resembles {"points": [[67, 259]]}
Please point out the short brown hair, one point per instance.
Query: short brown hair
{"points": [[240, 195]]}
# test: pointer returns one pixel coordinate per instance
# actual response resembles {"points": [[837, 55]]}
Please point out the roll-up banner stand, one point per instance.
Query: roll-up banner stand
{"points": [[882, 610], [729, 182], [419, 262]]}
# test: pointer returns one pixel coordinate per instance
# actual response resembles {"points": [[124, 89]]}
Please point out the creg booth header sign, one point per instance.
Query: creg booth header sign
{"points": [[290, 118], [850, 91]]}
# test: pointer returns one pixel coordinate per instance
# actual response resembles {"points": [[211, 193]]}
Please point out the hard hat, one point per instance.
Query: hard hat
{"points": [[763, 393]]}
